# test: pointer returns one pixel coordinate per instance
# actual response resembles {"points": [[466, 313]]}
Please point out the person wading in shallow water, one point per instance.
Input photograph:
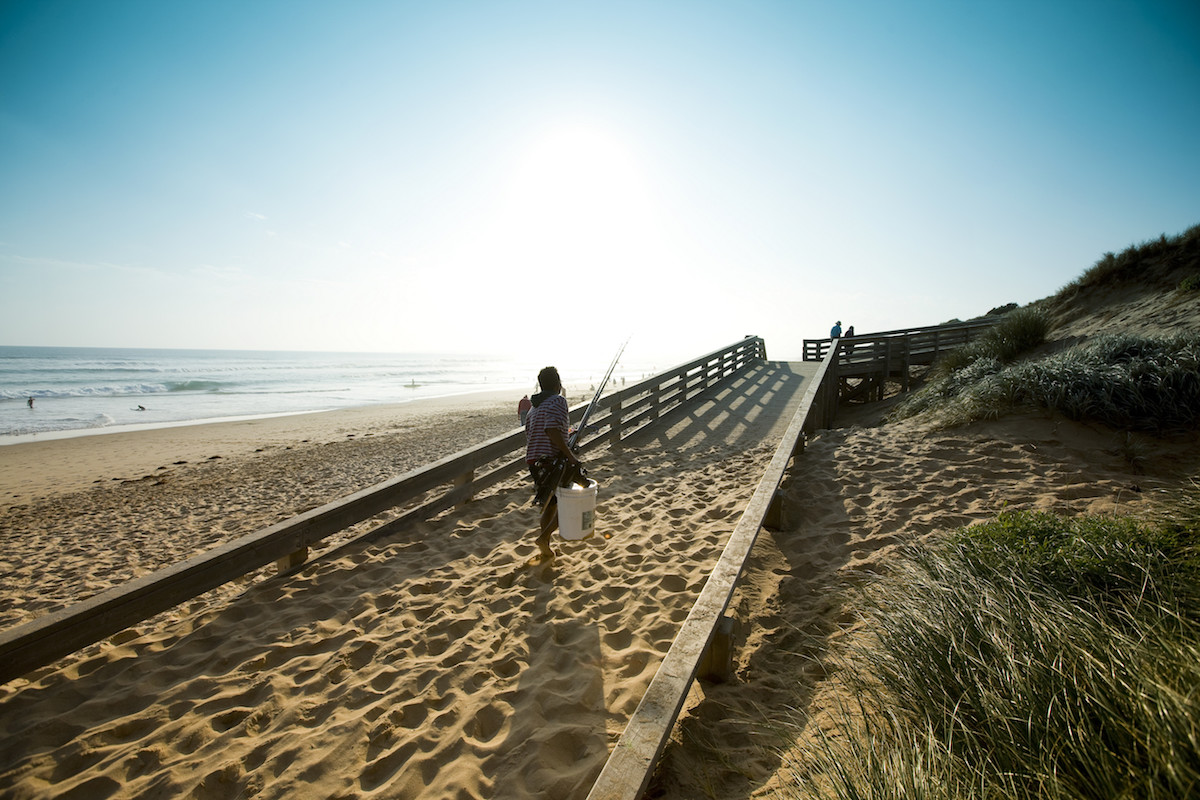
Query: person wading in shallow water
{"points": [[547, 453]]}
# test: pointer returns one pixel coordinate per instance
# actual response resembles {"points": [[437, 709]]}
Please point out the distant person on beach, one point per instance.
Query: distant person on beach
{"points": [[31, 402], [836, 331], [547, 453], [523, 408]]}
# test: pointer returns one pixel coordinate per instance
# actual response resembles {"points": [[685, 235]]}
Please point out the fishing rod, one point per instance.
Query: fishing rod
{"points": [[595, 399]]}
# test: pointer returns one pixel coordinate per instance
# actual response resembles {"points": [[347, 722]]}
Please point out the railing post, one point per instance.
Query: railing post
{"points": [[773, 519], [614, 425], [887, 369], [716, 664], [465, 479], [291, 560]]}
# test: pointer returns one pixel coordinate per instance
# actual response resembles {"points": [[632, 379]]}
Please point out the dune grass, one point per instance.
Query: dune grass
{"points": [[1139, 383], [1133, 262], [1032, 657], [1017, 333]]}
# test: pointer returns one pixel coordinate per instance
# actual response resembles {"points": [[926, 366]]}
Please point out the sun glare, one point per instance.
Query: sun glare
{"points": [[577, 179]]}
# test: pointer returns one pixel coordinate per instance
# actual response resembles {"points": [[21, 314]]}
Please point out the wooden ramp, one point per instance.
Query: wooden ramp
{"points": [[704, 645]]}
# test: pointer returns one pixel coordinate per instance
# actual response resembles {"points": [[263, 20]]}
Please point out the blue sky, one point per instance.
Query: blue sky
{"points": [[554, 177]]}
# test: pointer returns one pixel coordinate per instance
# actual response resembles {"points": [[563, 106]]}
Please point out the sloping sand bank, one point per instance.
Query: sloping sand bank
{"points": [[430, 664]]}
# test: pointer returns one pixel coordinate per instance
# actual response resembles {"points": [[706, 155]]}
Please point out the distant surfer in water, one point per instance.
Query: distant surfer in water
{"points": [[31, 402], [547, 453]]}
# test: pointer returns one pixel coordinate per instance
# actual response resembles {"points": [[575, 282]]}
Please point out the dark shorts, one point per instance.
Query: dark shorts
{"points": [[546, 473], [551, 472]]}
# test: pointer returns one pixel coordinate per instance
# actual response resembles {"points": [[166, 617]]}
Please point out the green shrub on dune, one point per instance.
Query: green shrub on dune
{"points": [[1031, 657], [1019, 332], [1129, 382]]}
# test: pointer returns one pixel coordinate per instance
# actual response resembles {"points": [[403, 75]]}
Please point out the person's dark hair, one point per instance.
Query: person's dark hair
{"points": [[548, 379]]}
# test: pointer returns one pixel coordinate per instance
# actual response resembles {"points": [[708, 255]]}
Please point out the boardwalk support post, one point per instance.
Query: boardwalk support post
{"points": [[465, 479], [614, 422], [773, 520], [291, 560], [717, 662]]}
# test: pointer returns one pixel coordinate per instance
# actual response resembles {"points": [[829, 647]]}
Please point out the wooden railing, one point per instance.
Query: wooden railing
{"points": [[452, 480], [703, 645], [924, 342]]}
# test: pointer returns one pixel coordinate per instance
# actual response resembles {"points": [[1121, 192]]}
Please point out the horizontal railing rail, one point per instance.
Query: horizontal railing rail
{"points": [[42, 640], [631, 763], [934, 338]]}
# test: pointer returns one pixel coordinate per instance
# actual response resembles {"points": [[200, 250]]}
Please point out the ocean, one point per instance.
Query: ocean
{"points": [[81, 390]]}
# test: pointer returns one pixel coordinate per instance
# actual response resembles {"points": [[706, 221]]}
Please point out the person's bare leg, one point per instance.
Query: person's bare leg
{"points": [[549, 525]]}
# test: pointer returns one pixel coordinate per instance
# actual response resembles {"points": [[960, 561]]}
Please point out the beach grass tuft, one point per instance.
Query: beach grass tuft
{"points": [[1018, 333], [1130, 382], [1034, 656]]}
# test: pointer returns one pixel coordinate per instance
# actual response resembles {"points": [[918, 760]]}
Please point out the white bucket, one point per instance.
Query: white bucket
{"points": [[577, 510]]}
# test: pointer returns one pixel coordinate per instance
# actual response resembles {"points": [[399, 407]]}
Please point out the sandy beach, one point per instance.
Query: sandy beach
{"points": [[431, 664], [435, 663]]}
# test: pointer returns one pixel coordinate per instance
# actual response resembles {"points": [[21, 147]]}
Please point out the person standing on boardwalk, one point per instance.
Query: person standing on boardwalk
{"points": [[547, 453], [836, 331]]}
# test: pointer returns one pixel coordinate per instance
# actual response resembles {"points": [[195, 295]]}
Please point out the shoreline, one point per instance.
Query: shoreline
{"points": [[53, 466], [49, 467], [8, 439]]}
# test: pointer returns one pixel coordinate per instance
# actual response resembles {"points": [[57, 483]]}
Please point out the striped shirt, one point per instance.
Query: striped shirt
{"points": [[551, 413]]}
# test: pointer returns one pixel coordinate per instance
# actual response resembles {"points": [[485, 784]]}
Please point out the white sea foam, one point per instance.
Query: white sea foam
{"points": [[89, 389]]}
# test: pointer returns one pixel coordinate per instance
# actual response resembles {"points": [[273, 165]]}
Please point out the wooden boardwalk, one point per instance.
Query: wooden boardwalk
{"points": [[864, 363], [705, 643]]}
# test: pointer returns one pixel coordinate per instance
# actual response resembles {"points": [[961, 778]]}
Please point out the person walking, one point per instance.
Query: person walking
{"points": [[547, 453]]}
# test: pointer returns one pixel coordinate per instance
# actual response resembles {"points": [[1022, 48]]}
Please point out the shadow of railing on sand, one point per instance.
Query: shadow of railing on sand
{"points": [[735, 413]]}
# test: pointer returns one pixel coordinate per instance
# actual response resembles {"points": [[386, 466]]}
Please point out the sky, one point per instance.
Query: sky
{"points": [[522, 178]]}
